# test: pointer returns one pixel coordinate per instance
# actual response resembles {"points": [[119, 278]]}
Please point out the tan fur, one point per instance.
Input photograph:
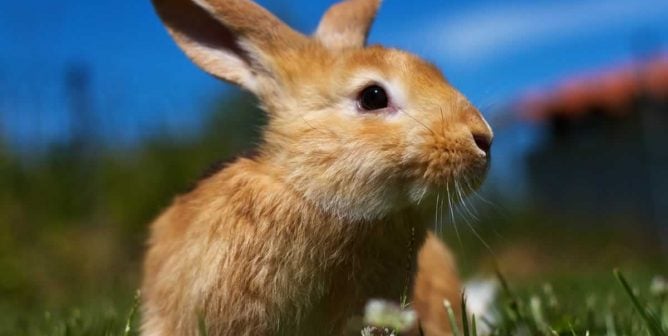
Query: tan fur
{"points": [[436, 281], [295, 241]]}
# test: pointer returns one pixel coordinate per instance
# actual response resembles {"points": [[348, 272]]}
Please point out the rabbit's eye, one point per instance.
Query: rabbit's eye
{"points": [[372, 98]]}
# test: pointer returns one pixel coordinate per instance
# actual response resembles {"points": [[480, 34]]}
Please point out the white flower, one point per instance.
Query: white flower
{"points": [[480, 296], [385, 314]]}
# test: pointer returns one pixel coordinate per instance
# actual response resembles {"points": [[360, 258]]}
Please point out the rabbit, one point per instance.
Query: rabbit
{"points": [[331, 211]]}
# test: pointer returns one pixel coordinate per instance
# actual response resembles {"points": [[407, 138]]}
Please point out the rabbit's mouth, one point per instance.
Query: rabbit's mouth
{"points": [[448, 188], [448, 169], [447, 166], [458, 183], [443, 161]]}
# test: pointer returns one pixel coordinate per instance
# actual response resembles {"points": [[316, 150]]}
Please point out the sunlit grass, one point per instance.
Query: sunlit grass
{"points": [[614, 308], [617, 311], [624, 310]]}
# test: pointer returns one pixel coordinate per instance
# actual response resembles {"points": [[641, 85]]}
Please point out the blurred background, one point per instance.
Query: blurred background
{"points": [[103, 120]]}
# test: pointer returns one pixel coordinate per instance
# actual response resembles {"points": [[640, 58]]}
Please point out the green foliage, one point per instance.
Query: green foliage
{"points": [[73, 219]]}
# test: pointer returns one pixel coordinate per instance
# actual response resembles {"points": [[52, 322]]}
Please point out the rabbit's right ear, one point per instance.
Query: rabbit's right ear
{"points": [[347, 23], [235, 40]]}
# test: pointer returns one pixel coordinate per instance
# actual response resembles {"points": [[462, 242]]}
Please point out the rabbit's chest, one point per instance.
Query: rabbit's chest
{"points": [[339, 308], [377, 270]]}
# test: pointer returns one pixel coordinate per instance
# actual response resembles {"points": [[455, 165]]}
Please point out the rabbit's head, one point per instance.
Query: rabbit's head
{"points": [[359, 131]]}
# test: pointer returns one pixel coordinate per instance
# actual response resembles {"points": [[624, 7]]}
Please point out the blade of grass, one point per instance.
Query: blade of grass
{"points": [[201, 326], [572, 329], [465, 320], [452, 318], [131, 315], [651, 321], [514, 304], [536, 310], [474, 326], [610, 324]]}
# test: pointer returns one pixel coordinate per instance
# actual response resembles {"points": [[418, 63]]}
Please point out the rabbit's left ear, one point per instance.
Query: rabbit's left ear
{"points": [[346, 24], [235, 40]]}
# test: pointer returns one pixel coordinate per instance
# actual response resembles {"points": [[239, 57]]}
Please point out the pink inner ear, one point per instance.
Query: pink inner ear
{"points": [[185, 18]]}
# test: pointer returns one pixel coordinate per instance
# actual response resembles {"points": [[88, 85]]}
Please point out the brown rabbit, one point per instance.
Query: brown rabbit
{"points": [[328, 215]]}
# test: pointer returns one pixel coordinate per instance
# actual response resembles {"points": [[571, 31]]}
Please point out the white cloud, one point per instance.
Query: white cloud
{"points": [[489, 30]]}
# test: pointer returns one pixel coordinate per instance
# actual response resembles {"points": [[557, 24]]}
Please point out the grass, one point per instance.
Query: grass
{"points": [[615, 307], [620, 311], [76, 322]]}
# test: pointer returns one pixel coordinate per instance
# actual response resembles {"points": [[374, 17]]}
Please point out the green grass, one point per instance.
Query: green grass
{"points": [[600, 310], [613, 307], [90, 320]]}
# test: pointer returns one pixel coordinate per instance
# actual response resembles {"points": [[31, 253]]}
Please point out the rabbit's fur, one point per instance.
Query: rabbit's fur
{"points": [[328, 215]]}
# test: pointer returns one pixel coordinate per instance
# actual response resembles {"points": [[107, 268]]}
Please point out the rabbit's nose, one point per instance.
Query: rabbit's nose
{"points": [[483, 141]]}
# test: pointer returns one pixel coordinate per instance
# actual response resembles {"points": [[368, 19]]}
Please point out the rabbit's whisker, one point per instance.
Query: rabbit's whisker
{"points": [[452, 216], [479, 196], [436, 222], [472, 227], [324, 130], [440, 108], [419, 122], [488, 202], [471, 212]]}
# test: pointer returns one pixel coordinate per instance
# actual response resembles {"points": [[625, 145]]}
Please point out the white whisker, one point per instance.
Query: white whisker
{"points": [[470, 212], [419, 122], [477, 194], [474, 231], [436, 223], [490, 203], [442, 223], [452, 217]]}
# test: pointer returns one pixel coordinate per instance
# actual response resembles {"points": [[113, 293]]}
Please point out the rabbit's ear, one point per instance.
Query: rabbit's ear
{"points": [[235, 40], [346, 24]]}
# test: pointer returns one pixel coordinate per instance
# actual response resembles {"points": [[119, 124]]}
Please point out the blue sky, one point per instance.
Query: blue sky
{"points": [[492, 50]]}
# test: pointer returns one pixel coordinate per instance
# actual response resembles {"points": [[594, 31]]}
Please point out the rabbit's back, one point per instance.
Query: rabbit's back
{"points": [[207, 259]]}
